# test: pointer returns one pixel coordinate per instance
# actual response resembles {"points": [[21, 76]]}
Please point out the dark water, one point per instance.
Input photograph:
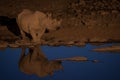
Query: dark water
{"points": [[107, 69]]}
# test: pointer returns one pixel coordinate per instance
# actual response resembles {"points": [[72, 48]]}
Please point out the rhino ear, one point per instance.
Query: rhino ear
{"points": [[60, 21], [55, 20], [49, 15]]}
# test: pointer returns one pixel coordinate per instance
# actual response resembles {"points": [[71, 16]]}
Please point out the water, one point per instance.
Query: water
{"points": [[108, 69]]}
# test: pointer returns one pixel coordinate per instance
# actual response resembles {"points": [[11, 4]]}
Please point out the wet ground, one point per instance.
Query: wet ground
{"points": [[83, 21]]}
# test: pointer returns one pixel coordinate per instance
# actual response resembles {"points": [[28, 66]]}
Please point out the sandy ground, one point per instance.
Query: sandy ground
{"points": [[83, 22]]}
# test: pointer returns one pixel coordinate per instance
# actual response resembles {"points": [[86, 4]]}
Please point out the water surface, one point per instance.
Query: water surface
{"points": [[107, 69]]}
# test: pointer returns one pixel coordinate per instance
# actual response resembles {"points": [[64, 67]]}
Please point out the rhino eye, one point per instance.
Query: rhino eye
{"points": [[36, 34]]}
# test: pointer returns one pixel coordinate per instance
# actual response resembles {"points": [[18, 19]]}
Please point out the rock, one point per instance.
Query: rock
{"points": [[77, 58], [3, 44], [108, 49], [96, 61], [97, 39], [80, 44], [14, 46]]}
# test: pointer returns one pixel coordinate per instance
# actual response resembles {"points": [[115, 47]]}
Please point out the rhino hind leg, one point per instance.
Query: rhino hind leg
{"points": [[23, 34]]}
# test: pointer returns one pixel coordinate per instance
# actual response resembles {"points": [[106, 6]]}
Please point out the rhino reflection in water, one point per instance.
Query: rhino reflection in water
{"points": [[35, 62]]}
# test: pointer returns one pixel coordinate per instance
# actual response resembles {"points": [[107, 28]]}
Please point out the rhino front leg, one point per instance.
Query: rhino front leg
{"points": [[41, 32], [37, 34], [34, 36]]}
